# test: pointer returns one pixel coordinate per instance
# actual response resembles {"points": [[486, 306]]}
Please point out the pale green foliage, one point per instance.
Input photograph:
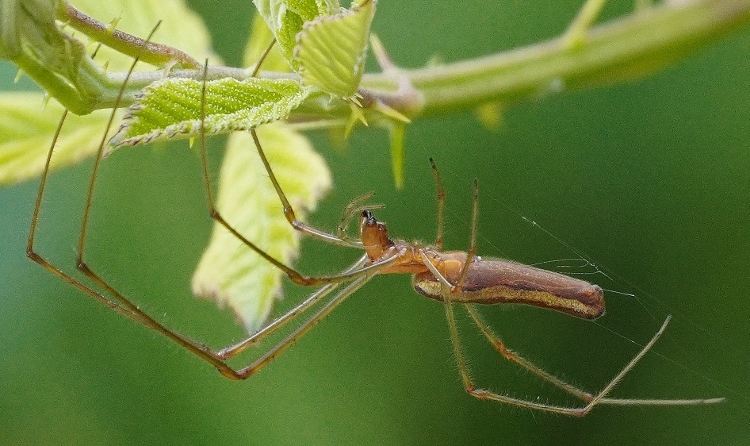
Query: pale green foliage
{"points": [[27, 131], [327, 53], [331, 55], [324, 43], [285, 19], [172, 107], [331, 50], [161, 113], [229, 271]]}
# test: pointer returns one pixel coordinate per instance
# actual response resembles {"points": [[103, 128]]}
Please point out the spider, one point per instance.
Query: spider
{"points": [[452, 277]]}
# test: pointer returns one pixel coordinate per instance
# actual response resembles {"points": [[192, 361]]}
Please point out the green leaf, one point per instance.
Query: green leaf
{"points": [[172, 107], [26, 132], [285, 19], [331, 50], [230, 272], [28, 125]]}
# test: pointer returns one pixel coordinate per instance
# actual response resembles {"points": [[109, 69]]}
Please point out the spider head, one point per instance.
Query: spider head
{"points": [[374, 235]]}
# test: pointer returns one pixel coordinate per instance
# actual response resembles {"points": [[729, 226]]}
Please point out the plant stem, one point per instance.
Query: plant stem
{"points": [[149, 52], [633, 46], [627, 48]]}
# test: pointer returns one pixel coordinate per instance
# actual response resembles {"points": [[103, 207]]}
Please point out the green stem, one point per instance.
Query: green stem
{"points": [[627, 48], [149, 52], [630, 47]]}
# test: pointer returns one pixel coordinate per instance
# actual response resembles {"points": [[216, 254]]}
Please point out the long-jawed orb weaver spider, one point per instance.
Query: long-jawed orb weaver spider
{"points": [[454, 278]]}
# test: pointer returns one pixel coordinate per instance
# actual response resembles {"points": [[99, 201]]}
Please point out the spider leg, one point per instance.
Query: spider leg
{"points": [[510, 355], [590, 400], [358, 274], [287, 342]]}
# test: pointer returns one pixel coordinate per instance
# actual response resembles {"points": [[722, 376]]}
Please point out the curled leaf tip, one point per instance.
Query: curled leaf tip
{"points": [[331, 50]]}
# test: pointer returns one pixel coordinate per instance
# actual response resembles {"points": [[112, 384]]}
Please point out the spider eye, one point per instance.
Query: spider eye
{"points": [[368, 217]]}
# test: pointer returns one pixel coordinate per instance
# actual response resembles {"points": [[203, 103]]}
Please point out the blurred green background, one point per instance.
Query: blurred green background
{"points": [[650, 180]]}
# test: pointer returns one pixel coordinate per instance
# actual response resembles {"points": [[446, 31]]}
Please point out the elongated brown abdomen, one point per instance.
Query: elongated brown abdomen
{"points": [[493, 281]]}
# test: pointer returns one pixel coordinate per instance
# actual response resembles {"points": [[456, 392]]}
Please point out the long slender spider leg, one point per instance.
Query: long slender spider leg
{"points": [[140, 316], [120, 303], [293, 274], [80, 262], [456, 287], [629, 366], [463, 367], [471, 253], [289, 213], [510, 355], [290, 315], [440, 194], [262, 58], [289, 210], [467, 380], [305, 327], [356, 282], [482, 393], [97, 161], [600, 397], [39, 259], [123, 306], [592, 401]]}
